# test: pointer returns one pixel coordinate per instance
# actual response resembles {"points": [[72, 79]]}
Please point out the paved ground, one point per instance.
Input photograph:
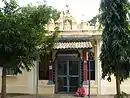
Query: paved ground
{"points": [[56, 96]]}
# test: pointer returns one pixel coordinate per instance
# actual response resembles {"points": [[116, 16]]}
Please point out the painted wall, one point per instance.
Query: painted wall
{"points": [[44, 88], [22, 83], [26, 83]]}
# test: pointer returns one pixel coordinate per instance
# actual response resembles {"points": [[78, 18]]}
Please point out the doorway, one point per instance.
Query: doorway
{"points": [[68, 74]]}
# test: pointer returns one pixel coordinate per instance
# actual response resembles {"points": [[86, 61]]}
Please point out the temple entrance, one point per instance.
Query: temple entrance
{"points": [[68, 73]]}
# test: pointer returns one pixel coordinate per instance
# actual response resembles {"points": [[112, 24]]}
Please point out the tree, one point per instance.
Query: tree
{"points": [[115, 50], [23, 36], [94, 20]]}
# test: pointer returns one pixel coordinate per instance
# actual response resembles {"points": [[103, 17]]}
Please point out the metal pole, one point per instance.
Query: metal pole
{"points": [[37, 78], [89, 80]]}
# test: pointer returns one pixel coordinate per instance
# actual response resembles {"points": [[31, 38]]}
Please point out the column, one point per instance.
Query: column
{"points": [[31, 80], [36, 76], [103, 82], [50, 82], [85, 58], [1, 68], [50, 74], [98, 66]]}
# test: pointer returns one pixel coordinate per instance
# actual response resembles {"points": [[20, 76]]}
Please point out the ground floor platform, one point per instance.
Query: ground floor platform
{"points": [[59, 96]]}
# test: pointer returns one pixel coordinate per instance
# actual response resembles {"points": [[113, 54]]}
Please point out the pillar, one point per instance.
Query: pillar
{"points": [[103, 82], [51, 63], [31, 80], [36, 76], [1, 68], [85, 58], [98, 66], [50, 72]]}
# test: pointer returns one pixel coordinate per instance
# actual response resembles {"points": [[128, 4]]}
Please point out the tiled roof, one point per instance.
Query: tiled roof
{"points": [[72, 45]]}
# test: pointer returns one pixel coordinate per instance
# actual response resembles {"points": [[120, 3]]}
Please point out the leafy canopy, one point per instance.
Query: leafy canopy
{"points": [[23, 35], [115, 50]]}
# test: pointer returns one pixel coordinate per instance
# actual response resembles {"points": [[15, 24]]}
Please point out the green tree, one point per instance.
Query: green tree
{"points": [[23, 36], [93, 20], [115, 50]]}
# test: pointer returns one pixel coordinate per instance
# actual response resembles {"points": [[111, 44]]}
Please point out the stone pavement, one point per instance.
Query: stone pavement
{"points": [[56, 96]]}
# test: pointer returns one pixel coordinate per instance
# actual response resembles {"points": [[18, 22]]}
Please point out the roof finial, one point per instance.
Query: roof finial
{"points": [[67, 6]]}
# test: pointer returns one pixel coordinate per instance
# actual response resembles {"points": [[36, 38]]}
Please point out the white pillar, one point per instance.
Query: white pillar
{"points": [[1, 68], [34, 76], [98, 66], [35, 73], [31, 80], [103, 82]]}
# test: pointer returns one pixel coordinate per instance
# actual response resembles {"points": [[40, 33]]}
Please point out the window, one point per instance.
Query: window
{"points": [[10, 71], [92, 69]]}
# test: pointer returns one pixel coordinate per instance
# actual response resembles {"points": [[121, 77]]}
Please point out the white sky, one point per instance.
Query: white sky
{"points": [[80, 9]]}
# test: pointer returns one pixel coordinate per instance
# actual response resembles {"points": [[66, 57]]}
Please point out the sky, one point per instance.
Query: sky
{"points": [[80, 9]]}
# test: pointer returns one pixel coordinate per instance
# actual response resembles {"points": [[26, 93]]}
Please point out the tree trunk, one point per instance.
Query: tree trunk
{"points": [[3, 89], [118, 89]]}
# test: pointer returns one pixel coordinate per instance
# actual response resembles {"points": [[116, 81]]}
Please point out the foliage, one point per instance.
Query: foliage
{"points": [[93, 20], [23, 36], [115, 52], [22, 31]]}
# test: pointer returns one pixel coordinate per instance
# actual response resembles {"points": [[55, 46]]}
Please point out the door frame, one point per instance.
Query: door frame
{"points": [[68, 75]]}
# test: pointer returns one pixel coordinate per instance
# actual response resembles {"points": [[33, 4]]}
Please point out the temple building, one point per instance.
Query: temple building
{"points": [[77, 44], [61, 71]]}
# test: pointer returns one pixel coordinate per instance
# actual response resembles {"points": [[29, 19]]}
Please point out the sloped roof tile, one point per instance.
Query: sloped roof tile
{"points": [[72, 45]]}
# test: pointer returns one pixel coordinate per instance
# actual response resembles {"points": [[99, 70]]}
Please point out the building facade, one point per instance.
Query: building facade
{"points": [[66, 66]]}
